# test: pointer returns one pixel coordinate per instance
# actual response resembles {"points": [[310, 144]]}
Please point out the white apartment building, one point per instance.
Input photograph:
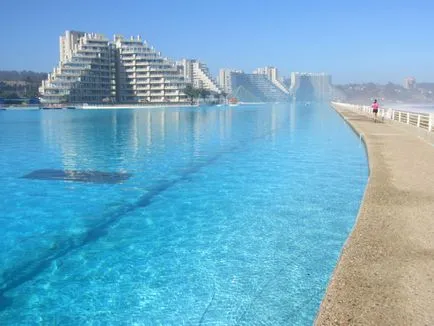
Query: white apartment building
{"points": [[68, 44], [144, 76], [85, 73], [410, 83], [225, 79], [94, 70], [272, 75], [197, 74]]}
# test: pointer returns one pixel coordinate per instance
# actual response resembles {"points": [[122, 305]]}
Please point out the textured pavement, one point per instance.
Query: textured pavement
{"points": [[385, 275]]}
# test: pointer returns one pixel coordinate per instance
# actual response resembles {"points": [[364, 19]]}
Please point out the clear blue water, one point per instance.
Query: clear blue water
{"points": [[232, 216]]}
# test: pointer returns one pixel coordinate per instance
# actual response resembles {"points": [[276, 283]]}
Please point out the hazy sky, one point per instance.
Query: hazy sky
{"points": [[355, 41]]}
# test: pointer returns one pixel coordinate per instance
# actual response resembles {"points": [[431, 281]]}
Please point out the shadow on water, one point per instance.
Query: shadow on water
{"points": [[79, 176], [27, 271]]}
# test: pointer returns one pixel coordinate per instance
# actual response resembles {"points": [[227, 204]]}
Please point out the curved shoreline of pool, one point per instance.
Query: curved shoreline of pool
{"points": [[385, 272]]}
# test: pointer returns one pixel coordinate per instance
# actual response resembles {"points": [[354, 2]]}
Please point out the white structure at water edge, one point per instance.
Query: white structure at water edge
{"points": [[144, 76], [85, 73], [250, 88], [197, 74], [272, 75], [225, 79], [94, 70]]}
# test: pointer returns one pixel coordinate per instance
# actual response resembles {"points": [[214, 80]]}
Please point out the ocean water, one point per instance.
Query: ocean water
{"points": [[230, 215], [412, 107]]}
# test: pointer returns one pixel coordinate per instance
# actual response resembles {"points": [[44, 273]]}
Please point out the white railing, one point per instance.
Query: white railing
{"points": [[419, 120]]}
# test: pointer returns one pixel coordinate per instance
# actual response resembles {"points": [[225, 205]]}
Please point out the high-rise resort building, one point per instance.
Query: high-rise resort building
{"points": [[197, 73], [94, 70], [308, 86], [272, 75], [86, 71], [250, 87], [224, 79], [144, 76]]}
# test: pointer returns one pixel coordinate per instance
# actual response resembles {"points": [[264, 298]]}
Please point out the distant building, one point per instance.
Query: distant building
{"points": [[197, 74], [143, 75], [85, 73], [68, 44], [94, 70], [224, 79], [410, 83], [250, 87], [272, 75], [307, 86]]}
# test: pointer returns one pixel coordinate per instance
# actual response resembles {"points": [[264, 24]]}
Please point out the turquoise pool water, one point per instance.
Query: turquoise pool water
{"points": [[230, 216]]}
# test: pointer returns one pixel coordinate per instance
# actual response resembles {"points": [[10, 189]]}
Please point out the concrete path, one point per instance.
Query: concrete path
{"points": [[385, 275]]}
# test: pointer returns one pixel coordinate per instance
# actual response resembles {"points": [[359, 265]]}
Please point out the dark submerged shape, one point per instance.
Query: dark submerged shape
{"points": [[27, 271], [79, 176], [4, 302]]}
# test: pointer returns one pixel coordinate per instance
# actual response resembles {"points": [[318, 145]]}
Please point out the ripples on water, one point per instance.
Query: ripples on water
{"points": [[229, 216]]}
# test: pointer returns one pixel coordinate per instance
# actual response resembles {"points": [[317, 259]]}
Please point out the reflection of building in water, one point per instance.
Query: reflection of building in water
{"points": [[225, 123], [292, 118], [122, 140], [306, 86], [82, 145]]}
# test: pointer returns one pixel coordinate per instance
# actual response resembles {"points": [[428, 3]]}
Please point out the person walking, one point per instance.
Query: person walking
{"points": [[375, 109]]}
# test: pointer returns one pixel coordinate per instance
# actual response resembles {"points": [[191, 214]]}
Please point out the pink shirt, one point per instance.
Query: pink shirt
{"points": [[375, 106]]}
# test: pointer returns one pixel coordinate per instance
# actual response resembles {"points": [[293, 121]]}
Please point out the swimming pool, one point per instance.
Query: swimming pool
{"points": [[221, 216]]}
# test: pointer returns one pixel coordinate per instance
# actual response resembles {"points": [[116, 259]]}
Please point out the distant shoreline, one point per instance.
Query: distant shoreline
{"points": [[94, 107], [117, 106], [130, 106]]}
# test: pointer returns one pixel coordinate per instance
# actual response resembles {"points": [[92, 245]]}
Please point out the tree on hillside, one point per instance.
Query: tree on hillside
{"points": [[191, 92], [224, 95], [15, 84], [29, 76], [203, 93]]}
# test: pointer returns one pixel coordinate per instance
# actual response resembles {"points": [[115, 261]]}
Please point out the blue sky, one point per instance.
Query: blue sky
{"points": [[355, 41]]}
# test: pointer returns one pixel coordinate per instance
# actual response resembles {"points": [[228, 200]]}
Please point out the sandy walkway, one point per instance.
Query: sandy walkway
{"points": [[386, 272]]}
